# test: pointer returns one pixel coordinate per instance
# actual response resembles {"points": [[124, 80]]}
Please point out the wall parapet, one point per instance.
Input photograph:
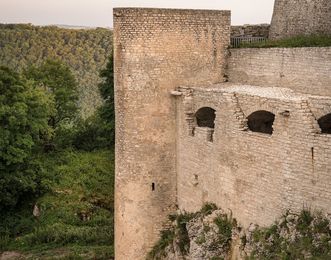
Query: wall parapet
{"points": [[305, 70]]}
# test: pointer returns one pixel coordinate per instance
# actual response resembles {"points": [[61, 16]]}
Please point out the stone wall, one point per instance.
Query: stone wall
{"points": [[156, 50], [256, 176], [258, 30], [300, 17], [305, 70]]}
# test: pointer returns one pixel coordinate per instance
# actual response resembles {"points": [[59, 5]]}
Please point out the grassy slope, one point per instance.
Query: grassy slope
{"points": [[76, 220]]}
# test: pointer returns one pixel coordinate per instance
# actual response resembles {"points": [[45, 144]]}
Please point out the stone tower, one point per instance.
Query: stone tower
{"points": [[155, 51], [300, 17]]}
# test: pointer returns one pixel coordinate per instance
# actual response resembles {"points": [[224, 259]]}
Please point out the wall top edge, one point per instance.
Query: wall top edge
{"points": [[122, 10], [281, 48]]}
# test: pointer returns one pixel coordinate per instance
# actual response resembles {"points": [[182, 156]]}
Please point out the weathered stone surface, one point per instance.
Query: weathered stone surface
{"points": [[171, 63], [155, 51], [300, 17], [248, 30], [258, 176], [305, 70]]}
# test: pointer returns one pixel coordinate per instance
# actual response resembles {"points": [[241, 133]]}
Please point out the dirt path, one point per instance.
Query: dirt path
{"points": [[10, 255]]}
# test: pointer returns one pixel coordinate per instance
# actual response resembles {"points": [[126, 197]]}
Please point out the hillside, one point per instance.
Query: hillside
{"points": [[74, 218], [84, 51]]}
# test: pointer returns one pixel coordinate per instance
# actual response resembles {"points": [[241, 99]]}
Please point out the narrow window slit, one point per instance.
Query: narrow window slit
{"points": [[312, 154], [153, 186]]}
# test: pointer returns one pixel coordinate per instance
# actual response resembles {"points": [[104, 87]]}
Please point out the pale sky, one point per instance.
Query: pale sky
{"points": [[99, 12]]}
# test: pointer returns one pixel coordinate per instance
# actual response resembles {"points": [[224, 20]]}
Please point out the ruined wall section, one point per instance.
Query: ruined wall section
{"points": [[256, 30], [305, 70], [255, 176], [300, 17], [155, 51]]}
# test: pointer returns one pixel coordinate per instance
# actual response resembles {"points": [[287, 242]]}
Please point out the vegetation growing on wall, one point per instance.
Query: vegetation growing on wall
{"points": [[294, 236], [84, 51], [212, 234], [298, 41], [187, 227]]}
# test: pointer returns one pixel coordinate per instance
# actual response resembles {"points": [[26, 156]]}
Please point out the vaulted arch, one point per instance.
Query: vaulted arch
{"points": [[261, 121], [325, 123], [205, 117]]}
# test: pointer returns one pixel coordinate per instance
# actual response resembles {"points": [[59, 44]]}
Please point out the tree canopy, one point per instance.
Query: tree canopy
{"points": [[24, 113], [56, 78], [84, 51]]}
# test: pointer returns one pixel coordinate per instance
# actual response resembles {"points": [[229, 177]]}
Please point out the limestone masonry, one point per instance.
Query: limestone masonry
{"points": [[300, 17], [197, 122]]}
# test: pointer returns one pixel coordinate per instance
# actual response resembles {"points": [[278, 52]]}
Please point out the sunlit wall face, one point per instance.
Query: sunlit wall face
{"points": [[99, 12]]}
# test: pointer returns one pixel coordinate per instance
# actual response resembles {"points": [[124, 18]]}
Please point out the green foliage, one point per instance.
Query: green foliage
{"points": [[76, 212], [225, 225], [208, 208], [179, 232], [183, 239], [98, 131], [57, 79], [107, 110], [84, 51], [298, 41], [166, 238], [294, 237], [24, 110], [91, 134]]}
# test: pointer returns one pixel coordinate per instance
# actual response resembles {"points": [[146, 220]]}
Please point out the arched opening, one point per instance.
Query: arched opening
{"points": [[205, 117], [261, 121], [325, 124]]}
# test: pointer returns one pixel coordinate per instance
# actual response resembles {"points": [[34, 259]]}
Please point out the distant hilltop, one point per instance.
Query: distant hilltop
{"points": [[62, 26], [78, 27]]}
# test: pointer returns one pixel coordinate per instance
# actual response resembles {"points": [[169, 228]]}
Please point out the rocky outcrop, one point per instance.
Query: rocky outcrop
{"points": [[213, 234]]}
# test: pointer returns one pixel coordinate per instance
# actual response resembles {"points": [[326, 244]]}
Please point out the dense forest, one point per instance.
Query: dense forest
{"points": [[85, 51], [56, 150]]}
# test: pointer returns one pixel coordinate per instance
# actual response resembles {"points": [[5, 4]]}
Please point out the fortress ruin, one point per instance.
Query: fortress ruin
{"points": [[197, 122]]}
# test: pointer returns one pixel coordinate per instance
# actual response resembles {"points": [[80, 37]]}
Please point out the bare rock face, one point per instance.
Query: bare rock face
{"points": [[204, 237]]}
